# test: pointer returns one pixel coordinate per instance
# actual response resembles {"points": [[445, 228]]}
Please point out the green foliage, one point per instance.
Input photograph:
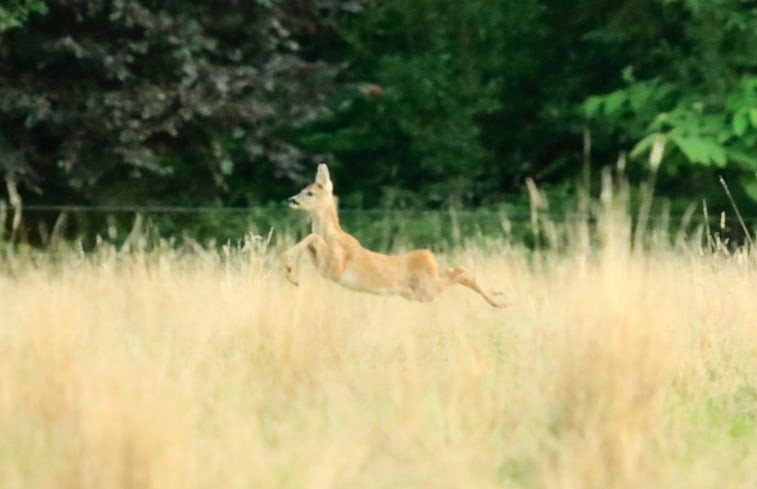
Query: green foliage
{"points": [[416, 131], [720, 135], [448, 104], [13, 13], [702, 101], [429, 103]]}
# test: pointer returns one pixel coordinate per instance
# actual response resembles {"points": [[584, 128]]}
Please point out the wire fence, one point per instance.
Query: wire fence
{"points": [[519, 214], [714, 217], [382, 228]]}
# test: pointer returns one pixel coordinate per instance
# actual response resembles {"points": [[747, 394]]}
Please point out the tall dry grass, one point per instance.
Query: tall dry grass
{"points": [[184, 370]]}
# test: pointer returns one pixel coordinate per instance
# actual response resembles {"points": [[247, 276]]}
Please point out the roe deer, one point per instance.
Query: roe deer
{"points": [[340, 257]]}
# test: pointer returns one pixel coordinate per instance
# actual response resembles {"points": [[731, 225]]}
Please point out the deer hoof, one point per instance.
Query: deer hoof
{"points": [[293, 280]]}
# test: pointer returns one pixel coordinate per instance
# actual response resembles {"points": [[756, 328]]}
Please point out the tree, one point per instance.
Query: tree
{"points": [[132, 101], [475, 97], [694, 85], [428, 79]]}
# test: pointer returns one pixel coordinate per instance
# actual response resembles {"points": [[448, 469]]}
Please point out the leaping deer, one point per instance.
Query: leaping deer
{"points": [[340, 257]]}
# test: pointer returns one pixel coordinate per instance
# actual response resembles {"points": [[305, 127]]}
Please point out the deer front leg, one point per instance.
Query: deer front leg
{"points": [[291, 257], [286, 260]]}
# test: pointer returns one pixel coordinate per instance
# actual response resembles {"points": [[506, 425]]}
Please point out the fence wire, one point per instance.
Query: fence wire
{"points": [[379, 228], [518, 215]]}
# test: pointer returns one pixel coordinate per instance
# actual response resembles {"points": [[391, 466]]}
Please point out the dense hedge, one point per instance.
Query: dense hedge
{"points": [[423, 103]]}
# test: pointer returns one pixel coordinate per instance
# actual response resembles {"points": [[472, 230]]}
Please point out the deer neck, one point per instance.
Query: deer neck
{"points": [[326, 221]]}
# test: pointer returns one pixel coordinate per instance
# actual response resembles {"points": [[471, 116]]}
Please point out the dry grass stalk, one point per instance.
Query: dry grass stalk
{"points": [[202, 370]]}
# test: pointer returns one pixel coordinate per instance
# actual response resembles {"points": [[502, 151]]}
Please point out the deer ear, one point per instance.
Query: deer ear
{"points": [[323, 178]]}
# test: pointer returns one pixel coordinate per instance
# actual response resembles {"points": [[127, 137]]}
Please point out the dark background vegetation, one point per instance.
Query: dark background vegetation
{"points": [[415, 104]]}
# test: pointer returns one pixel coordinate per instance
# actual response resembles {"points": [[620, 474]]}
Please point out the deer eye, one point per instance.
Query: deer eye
{"points": [[309, 193]]}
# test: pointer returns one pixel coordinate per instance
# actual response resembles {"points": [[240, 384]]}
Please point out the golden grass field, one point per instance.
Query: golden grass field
{"points": [[204, 369]]}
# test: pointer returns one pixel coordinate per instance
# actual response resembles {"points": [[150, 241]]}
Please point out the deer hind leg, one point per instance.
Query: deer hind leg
{"points": [[422, 289], [427, 286], [459, 275]]}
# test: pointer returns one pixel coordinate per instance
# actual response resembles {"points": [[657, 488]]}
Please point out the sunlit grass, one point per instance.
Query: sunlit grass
{"points": [[204, 369]]}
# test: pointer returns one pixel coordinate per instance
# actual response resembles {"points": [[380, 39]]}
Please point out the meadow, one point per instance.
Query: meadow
{"points": [[188, 367]]}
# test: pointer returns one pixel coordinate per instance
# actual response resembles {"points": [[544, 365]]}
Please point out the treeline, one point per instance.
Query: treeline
{"points": [[422, 103]]}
